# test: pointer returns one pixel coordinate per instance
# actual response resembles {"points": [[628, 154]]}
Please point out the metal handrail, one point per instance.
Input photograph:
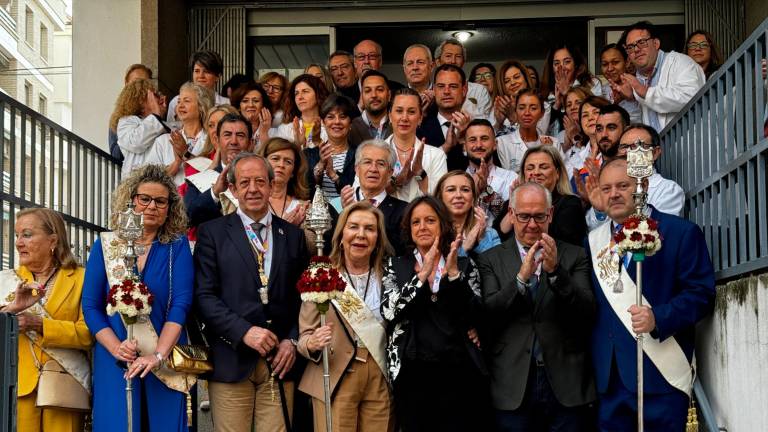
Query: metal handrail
{"points": [[716, 150], [45, 165]]}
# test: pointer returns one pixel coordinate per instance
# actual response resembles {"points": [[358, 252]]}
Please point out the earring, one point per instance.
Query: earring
{"points": [[52, 249]]}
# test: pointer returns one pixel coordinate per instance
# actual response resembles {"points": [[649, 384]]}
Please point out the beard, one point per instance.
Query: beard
{"points": [[609, 152], [477, 161], [376, 112]]}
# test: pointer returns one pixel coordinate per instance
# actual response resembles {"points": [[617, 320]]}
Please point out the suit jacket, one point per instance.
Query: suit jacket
{"points": [[431, 131], [679, 283], [226, 287], [200, 204], [66, 329], [393, 210], [560, 317]]}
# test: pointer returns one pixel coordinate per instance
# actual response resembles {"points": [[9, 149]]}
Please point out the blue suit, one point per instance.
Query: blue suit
{"points": [[679, 284]]}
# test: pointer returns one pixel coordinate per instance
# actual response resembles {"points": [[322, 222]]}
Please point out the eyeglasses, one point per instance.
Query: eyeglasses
{"points": [[483, 76], [145, 200], [699, 45], [344, 66], [640, 44], [539, 218], [369, 56], [636, 144], [272, 88]]}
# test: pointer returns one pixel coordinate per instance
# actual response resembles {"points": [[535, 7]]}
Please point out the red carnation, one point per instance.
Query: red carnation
{"points": [[650, 238], [619, 237], [127, 283], [150, 299], [652, 224], [636, 236], [139, 304], [127, 299], [631, 223]]}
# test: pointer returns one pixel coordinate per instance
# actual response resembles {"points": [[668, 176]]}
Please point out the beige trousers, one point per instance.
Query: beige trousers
{"points": [[238, 407], [362, 401]]}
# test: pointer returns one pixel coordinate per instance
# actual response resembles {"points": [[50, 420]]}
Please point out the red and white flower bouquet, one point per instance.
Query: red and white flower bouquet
{"points": [[131, 299], [638, 235], [320, 283]]}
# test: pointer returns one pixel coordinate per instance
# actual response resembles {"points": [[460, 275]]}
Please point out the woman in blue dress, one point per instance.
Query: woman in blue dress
{"points": [[165, 266]]}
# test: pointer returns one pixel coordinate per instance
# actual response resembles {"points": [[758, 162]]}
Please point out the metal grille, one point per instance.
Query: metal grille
{"points": [[220, 29], [45, 165], [724, 19], [716, 149]]}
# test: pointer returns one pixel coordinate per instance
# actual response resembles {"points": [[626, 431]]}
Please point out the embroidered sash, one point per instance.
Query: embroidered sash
{"points": [[357, 314], [143, 331], [667, 356], [200, 163], [73, 361]]}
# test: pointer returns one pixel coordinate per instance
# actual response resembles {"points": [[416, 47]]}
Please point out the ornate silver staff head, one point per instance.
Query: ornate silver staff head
{"points": [[130, 227], [318, 218], [640, 167]]}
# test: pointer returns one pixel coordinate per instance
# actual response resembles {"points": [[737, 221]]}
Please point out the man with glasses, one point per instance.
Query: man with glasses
{"points": [[663, 194], [342, 67], [374, 163], [478, 101], [663, 82], [539, 302]]}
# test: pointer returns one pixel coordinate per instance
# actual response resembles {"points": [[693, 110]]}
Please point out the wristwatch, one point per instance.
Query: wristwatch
{"points": [[420, 176]]}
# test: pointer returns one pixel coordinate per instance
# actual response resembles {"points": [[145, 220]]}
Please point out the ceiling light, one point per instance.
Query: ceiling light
{"points": [[463, 35]]}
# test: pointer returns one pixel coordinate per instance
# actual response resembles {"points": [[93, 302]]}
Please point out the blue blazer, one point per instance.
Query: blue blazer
{"points": [[679, 283]]}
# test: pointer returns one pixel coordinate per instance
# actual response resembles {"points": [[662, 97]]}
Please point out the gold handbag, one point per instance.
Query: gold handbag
{"points": [[191, 359], [58, 389]]}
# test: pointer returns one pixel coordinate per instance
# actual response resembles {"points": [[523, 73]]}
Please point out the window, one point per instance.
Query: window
{"points": [[44, 42], [27, 94], [43, 105], [29, 29]]}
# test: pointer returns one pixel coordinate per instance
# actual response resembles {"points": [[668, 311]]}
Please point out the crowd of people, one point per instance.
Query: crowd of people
{"points": [[472, 223]]}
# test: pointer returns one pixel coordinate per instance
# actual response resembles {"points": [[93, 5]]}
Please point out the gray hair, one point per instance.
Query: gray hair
{"points": [[380, 144], [451, 41], [529, 185], [205, 99], [248, 155], [340, 53], [418, 45], [376, 44]]}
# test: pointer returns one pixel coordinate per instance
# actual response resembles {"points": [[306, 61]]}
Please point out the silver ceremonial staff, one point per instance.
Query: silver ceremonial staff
{"points": [[640, 167], [318, 220], [130, 227]]}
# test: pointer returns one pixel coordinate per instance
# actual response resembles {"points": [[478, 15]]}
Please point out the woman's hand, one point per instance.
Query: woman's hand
{"points": [[143, 365], [429, 261], [571, 132], [178, 143], [297, 215], [154, 104], [501, 106], [478, 230], [265, 123], [126, 351], [418, 158], [27, 294], [562, 85], [451, 261], [298, 134], [29, 322], [320, 338]]}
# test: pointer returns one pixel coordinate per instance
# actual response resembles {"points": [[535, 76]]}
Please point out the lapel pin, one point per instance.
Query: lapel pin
{"points": [[280, 230]]}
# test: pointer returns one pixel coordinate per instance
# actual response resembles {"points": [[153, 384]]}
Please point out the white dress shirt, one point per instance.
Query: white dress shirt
{"points": [[511, 149]]}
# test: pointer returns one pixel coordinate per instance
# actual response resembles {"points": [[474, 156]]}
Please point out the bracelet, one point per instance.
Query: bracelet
{"points": [[158, 356]]}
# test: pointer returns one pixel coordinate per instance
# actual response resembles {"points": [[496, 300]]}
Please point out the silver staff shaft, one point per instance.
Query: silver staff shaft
{"points": [[639, 351]]}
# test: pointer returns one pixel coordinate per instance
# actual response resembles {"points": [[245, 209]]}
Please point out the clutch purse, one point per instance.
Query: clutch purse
{"points": [[191, 359], [58, 389]]}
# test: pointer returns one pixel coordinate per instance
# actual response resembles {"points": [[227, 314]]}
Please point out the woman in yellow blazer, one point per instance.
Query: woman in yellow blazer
{"points": [[52, 278]]}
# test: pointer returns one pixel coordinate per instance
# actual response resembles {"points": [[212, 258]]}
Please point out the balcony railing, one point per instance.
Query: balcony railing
{"points": [[45, 165], [716, 150]]}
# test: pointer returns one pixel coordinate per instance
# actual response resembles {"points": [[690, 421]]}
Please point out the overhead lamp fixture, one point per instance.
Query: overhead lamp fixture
{"points": [[463, 35]]}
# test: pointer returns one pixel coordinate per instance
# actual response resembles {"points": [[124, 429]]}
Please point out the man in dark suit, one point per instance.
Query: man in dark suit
{"points": [[246, 268], [444, 123], [679, 290], [540, 308], [203, 189], [374, 163]]}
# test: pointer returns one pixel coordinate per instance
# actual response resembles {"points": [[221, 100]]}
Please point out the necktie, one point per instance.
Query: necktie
{"points": [[257, 226], [447, 125]]}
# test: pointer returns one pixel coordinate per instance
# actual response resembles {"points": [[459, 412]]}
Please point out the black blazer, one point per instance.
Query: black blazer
{"points": [[393, 210], [226, 290], [200, 204], [431, 130], [561, 316]]}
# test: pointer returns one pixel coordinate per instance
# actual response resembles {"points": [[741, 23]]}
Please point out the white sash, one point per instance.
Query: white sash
{"points": [[143, 331], [73, 361], [667, 356], [355, 312], [204, 179], [200, 163]]}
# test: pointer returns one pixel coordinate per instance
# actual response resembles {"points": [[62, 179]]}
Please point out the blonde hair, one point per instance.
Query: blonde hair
{"points": [[469, 219], [53, 224], [204, 97], [131, 101], [381, 250], [208, 148], [175, 224], [563, 185]]}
